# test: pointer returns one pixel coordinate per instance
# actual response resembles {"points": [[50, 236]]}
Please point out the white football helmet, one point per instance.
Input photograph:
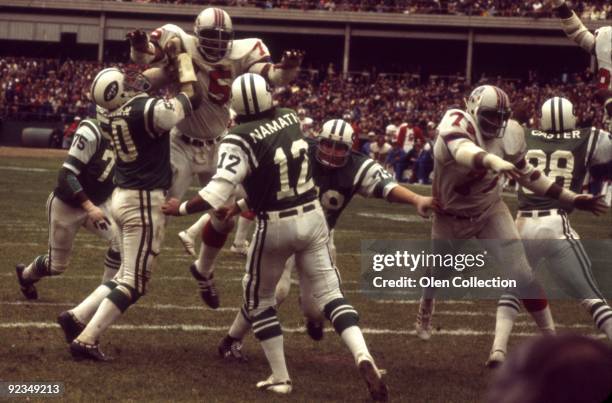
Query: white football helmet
{"points": [[213, 28], [251, 95], [490, 108], [335, 143], [557, 115], [112, 87]]}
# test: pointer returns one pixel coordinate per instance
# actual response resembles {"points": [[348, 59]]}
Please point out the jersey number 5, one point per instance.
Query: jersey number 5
{"points": [[218, 92]]}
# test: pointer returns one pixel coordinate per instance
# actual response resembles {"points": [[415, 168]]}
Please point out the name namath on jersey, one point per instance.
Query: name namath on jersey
{"points": [[267, 129]]}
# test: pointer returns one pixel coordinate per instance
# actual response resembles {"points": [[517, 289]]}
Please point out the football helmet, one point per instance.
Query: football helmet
{"points": [[251, 95], [335, 143], [213, 28], [113, 87], [557, 115], [490, 108]]}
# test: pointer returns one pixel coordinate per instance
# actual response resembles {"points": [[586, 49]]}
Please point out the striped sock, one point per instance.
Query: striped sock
{"points": [[341, 314], [269, 333], [38, 269], [508, 307], [601, 313]]}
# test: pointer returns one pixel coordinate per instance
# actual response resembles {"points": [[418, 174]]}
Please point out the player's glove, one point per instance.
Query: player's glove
{"points": [[291, 59], [594, 204], [499, 165], [138, 40]]}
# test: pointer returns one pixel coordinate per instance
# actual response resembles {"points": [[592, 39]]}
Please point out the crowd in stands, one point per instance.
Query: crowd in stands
{"points": [[593, 9], [47, 89]]}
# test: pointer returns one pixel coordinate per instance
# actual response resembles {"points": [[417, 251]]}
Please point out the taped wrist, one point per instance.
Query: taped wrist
{"points": [[279, 76], [576, 31]]}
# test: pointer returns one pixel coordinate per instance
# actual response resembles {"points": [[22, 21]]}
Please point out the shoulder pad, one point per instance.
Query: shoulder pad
{"points": [[241, 48], [89, 129]]}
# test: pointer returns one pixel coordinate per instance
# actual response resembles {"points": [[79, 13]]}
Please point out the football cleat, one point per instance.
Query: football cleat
{"points": [[496, 359], [314, 329], [27, 286], [83, 351], [271, 385], [423, 321], [241, 250], [187, 242], [230, 348], [373, 378], [208, 291], [70, 325]]}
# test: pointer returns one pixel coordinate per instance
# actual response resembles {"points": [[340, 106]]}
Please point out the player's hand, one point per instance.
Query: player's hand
{"points": [[171, 207], [499, 165], [424, 205], [557, 3], [138, 40], [291, 59], [594, 204], [97, 216], [173, 48]]}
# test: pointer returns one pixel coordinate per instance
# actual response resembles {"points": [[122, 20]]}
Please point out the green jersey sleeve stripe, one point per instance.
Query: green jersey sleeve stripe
{"points": [[74, 164]]}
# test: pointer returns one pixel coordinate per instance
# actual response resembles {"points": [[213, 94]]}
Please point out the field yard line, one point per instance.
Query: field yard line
{"points": [[416, 301], [160, 307], [11, 168], [203, 328], [169, 278]]}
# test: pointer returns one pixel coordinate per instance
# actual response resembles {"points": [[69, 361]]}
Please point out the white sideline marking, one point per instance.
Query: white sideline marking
{"points": [[161, 307], [10, 168], [416, 301], [203, 328]]}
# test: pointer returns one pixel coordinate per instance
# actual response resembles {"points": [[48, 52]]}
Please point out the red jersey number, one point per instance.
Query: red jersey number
{"points": [[219, 92], [604, 79]]}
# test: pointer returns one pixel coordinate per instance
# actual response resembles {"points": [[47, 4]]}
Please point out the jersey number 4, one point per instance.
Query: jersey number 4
{"points": [[299, 149]]}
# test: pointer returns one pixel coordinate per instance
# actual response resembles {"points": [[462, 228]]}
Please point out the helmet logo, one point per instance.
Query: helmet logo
{"points": [[111, 91]]}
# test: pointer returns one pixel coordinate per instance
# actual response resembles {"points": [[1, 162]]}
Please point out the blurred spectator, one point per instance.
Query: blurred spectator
{"points": [[365, 148], [396, 161], [555, 369], [424, 163], [380, 149]]}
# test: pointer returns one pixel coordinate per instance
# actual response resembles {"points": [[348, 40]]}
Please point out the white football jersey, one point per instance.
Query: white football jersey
{"points": [[211, 119], [465, 191], [603, 52]]}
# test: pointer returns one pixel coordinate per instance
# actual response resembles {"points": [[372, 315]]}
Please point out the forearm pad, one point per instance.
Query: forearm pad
{"points": [[541, 185], [469, 154], [68, 183], [576, 31], [279, 77]]}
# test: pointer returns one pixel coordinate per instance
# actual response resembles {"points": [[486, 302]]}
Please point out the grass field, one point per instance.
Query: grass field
{"points": [[166, 344]]}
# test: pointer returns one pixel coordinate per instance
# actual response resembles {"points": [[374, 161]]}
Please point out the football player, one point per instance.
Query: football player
{"points": [[80, 199], [138, 126], [473, 148], [267, 153], [340, 174], [567, 154], [218, 60]]}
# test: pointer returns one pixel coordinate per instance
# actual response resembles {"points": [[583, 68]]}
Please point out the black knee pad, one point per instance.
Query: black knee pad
{"points": [[341, 314], [266, 325], [123, 296]]}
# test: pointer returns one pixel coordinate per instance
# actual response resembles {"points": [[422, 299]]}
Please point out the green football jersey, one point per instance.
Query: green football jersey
{"points": [[281, 173], [563, 157], [337, 186], [142, 153], [92, 160]]}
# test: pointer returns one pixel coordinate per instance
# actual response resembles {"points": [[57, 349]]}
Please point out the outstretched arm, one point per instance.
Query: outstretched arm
{"points": [[573, 27]]}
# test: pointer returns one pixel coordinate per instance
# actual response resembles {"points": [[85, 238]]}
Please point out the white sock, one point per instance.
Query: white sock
{"points": [[504, 321], [206, 259], [195, 231], [275, 353], [86, 309], [353, 338], [105, 316], [242, 231], [240, 327], [544, 320]]}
